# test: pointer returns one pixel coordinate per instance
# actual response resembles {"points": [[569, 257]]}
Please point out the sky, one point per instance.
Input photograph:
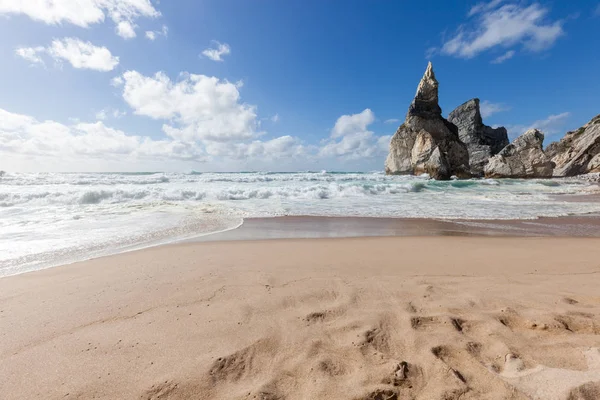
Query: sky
{"points": [[295, 85]]}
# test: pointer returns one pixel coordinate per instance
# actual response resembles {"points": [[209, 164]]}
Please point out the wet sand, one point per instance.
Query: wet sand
{"points": [[338, 227], [356, 318]]}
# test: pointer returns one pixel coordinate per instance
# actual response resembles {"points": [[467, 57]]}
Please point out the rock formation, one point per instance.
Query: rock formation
{"points": [[523, 158], [426, 142], [482, 141], [578, 152]]}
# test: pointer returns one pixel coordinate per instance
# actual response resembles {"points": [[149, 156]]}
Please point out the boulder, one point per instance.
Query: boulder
{"points": [[482, 141], [523, 158], [578, 152], [426, 142]]}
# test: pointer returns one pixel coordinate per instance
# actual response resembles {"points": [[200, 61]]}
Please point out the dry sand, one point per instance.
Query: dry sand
{"points": [[362, 318]]}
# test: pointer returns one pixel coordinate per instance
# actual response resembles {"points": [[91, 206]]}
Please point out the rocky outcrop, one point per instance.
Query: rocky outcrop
{"points": [[426, 142], [523, 158], [578, 152], [482, 141]]}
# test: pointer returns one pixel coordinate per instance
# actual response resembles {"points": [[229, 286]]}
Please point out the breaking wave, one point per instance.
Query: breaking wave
{"points": [[49, 218]]}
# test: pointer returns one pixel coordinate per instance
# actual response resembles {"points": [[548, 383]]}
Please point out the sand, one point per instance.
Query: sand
{"points": [[337, 227], [358, 318]]}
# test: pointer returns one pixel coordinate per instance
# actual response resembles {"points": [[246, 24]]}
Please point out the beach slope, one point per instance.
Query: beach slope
{"points": [[359, 318]]}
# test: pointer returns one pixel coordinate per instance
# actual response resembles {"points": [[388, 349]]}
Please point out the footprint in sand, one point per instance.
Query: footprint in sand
{"points": [[381, 394], [423, 323], [543, 383]]}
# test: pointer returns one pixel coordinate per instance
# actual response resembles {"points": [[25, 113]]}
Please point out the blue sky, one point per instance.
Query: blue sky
{"points": [[276, 85]]}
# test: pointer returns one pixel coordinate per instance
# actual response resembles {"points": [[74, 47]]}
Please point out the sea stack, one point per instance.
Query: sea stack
{"points": [[523, 158], [426, 142], [578, 152], [482, 141]]}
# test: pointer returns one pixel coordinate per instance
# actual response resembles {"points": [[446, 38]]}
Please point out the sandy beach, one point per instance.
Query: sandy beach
{"points": [[355, 318]]}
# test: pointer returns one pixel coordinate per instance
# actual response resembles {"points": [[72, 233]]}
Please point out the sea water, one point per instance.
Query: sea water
{"points": [[48, 219]]}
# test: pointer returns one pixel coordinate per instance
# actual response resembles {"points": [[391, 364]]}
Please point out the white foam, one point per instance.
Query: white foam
{"points": [[59, 215]]}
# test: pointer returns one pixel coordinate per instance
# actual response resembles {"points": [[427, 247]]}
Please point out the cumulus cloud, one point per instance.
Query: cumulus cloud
{"points": [[207, 112], [496, 24], [80, 54], [488, 108], [152, 35], [350, 138], [269, 150], [551, 125], [215, 54], [83, 13], [126, 30], [201, 107], [31, 54], [23, 135]]}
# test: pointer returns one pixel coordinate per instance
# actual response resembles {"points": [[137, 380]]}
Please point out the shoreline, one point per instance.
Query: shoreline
{"points": [[320, 227], [313, 227], [313, 318]]}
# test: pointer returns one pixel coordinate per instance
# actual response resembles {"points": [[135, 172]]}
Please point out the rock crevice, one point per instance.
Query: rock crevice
{"points": [[482, 141]]}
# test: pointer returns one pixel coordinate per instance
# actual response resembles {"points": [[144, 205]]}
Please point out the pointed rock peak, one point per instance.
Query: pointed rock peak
{"points": [[425, 103], [428, 87], [429, 74]]}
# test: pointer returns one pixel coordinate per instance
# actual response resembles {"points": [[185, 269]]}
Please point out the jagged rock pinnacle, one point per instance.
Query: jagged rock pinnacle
{"points": [[425, 103], [426, 142]]}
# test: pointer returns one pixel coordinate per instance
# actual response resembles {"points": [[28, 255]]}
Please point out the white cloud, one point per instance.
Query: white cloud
{"points": [[383, 143], [351, 139], [391, 121], [506, 56], [117, 81], [504, 25], [551, 125], [80, 54], [216, 54], [488, 108], [126, 30], [208, 111], [274, 149], [350, 124], [482, 7], [82, 13], [101, 115], [203, 107], [275, 118], [22, 135], [109, 113], [431, 51], [31, 54], [152, 35]]}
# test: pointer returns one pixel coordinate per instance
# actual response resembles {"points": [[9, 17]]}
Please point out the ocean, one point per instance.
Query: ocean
{"points": [[49, 219]]}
